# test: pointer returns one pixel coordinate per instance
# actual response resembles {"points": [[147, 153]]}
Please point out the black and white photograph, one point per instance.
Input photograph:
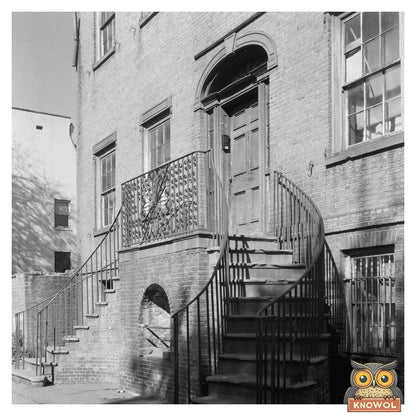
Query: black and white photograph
{"points": [[207, 207]]}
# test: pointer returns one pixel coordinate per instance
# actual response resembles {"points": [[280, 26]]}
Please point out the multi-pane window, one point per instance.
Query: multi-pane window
{"points": [[107, 31], [107, 183], [372, 295], [372, 75], [61, 213], [159, 144]]}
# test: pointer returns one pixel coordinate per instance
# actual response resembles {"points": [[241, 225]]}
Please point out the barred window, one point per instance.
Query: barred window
{"points": [[372, 76], [372, 296]]}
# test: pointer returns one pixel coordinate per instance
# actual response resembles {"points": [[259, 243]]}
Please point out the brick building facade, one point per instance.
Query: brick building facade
{"points": [[263, 93]]}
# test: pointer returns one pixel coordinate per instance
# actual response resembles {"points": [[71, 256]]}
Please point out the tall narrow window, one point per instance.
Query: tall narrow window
{"points": [[107, 184], [159, 144], [106, 32], [372, 76], [61, 213]]}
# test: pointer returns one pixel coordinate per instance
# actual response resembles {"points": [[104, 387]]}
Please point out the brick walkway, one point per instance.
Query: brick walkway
{"points": [[75, 394]]}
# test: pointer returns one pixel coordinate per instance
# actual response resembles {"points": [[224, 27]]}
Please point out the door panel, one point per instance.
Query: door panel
{"points": [[244, 180]]}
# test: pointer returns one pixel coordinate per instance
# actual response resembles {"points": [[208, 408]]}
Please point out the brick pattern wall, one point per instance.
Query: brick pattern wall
{"points": [[157, 61], [181, 269]]}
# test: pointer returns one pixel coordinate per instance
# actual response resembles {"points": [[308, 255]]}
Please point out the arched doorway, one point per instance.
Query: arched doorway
{"points": [[235, 99], [154, 321]]}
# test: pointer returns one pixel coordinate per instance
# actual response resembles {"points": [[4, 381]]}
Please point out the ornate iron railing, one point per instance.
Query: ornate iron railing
{"points": [[45, 327], [198, 327], [290, 328], [168, 201]]}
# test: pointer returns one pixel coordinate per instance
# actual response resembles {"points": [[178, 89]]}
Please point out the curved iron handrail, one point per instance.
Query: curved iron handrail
{"points": [[211, 304], [298, 313]]}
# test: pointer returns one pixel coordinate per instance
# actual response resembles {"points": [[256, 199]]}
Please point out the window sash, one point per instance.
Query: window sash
{"points": [[107, 191], [372, 119], [107, 31], [159, 144], [61, 213]]}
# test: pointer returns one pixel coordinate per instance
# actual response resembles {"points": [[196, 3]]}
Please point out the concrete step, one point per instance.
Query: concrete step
{"points": [[259, 288], [245, 363], [28, 377], [252, 242], [247, 323], [268, 271], [218, 400], [232, 386], [251, 255], [249, 305], [245, 343], [252, 305]]}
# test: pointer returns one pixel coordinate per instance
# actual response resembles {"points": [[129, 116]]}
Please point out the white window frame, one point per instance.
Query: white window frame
{"points": [[363, 79], [105, 192], [104, 23]]}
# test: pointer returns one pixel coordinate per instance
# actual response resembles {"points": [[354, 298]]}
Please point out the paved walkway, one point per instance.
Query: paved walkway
{"points": [[75, 394]]}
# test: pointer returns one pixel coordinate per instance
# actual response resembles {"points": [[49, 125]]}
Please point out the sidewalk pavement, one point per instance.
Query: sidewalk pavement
{"points": [[76, 394]]}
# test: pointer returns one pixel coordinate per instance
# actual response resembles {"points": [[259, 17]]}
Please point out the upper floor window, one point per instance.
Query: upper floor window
{"points": [[106, 22], [159, 144], [371, 76], [61, 213], [108, 188]]}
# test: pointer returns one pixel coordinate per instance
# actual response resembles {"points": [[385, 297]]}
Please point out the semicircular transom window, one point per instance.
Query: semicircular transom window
{"points": [[244, 65]]}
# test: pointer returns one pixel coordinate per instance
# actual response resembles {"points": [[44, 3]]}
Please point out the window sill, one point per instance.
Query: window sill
{"points": [[101, 231], [104, 58], [358, 151], [146, 18], [58, 228]]}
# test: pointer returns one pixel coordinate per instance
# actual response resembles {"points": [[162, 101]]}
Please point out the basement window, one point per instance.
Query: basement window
{"points": [[39, 127]]}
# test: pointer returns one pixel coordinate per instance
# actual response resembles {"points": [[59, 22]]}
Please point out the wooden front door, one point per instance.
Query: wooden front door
{"points": [[245, 192]]}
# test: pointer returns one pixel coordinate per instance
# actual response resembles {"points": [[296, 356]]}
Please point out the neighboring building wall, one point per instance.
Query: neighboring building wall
{"points": [[44, 169], [360, 196]]}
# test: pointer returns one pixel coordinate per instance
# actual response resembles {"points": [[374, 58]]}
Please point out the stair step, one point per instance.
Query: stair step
{"points": [[260, 288], [266, 271], [71, 339], [252, 305], [217, 400], [246, 343]]}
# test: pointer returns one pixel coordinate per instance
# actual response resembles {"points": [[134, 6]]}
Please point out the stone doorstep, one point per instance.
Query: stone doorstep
{"points": [[24, 376]]}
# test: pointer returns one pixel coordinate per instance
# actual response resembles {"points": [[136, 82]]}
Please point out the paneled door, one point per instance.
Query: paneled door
{"points": [[245, 173]]}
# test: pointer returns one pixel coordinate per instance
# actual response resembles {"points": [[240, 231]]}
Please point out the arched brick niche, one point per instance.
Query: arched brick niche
{"points": [[154, 321]]}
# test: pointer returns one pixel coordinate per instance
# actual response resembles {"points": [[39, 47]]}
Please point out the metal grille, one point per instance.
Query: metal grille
{"points": [[372, 300]]}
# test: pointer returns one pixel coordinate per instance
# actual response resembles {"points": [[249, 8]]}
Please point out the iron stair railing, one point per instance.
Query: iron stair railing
{"points": [[199, 326], [290, 327], [45, 327]]}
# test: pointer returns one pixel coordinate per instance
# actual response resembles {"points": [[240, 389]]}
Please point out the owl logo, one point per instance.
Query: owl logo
{"points": [[373, 380]]}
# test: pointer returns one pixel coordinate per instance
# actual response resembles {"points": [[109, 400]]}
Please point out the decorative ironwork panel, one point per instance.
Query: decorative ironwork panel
{"points": [[165, 201]]}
